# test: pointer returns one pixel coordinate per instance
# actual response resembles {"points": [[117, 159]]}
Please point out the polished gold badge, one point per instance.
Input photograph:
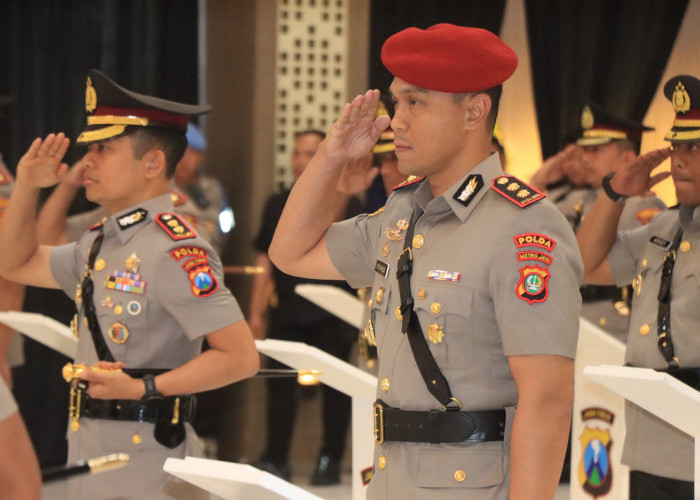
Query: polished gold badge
{"points": [[418, 241], [513, 186], [422, 293], [99, 264], [132, 263], [90, 97], [587, 118], [644, 329], [379, 295], [118, 310], [685, 246], [502, 180], [385, 384], [119, 333], [435, 333], [385, 249], [680, 99], [398, 314], [369, 334], [435, 307]]}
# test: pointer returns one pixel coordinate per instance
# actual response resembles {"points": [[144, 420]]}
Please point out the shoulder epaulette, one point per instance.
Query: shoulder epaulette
{"points": [[178, 198], [516, 191], [412, 179], [176, 228], [5, 176]]}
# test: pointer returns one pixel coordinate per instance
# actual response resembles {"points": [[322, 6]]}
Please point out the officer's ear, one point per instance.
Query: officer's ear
{"points": [[477, 107], [154, 163]]}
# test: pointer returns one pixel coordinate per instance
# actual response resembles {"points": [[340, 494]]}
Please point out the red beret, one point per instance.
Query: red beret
{"points": [[449, 58]]}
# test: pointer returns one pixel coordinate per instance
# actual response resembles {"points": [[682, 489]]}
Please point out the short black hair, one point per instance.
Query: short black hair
{"points": [[170, 141], [494, 94], [312, 131]]}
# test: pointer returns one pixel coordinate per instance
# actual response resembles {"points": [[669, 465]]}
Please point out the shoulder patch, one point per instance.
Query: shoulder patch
{"points": [[5, 176], [534, 240], [195, 262], [532, 286], [176, 228], [412, 179], [178, 198], [516, 191]]}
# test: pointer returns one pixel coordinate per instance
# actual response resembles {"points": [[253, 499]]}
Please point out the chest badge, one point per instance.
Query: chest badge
{"points": [[125, 282], [396, 234], [132, 263], [435, 333], [118, 333], [385, 249], [532, 286], [99, 264], [438, 274]]}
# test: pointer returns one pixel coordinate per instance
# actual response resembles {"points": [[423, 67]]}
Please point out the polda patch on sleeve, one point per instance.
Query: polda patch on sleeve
{"points": [[195, 262], [534, 240], [532, 286]]}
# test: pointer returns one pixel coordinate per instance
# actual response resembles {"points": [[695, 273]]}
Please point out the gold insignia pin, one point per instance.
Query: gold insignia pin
{"points": [[402, 224], [422, 293], [99, 264], [523, 193], [90, 97], [587, 118], [680, 99], [435, 333], [385, 249], [685, 246], [398, 314], [385, 384], [118, 310], [132, 263], [418, 241], [502, 180]]}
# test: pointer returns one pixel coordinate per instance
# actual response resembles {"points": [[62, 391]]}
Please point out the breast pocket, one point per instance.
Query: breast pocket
{"points": [[123, 321], [446, 317]]}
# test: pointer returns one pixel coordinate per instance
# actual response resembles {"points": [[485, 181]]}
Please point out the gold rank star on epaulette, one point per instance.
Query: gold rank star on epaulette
{"points": [[516, 191]]}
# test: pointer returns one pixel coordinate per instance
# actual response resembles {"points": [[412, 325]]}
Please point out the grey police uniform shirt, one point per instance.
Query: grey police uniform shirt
{"points": [[7, 402], [469, 284], [162, 309], [651, 445], [611, 316]]}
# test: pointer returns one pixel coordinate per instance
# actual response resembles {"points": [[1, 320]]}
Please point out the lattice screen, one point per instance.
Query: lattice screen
{"points": [[311, 72]]}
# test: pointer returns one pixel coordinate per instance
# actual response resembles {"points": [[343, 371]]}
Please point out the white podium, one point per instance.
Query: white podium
{"points": [[598, 423], [346, 378], [336, 301], [233, 481], [43, 329], [659, 393]]}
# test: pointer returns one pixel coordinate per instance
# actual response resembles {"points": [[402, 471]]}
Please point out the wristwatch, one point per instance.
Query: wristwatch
{"points": [[151, 393], [610, 192]]}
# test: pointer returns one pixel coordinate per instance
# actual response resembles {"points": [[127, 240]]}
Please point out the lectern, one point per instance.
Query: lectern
{"points": [[233, 481], [346, 378], [43, 329], [659, 393]]}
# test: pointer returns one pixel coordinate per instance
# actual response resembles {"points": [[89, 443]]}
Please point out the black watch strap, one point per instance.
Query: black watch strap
{"points": [[151, 391], [610, 192]]}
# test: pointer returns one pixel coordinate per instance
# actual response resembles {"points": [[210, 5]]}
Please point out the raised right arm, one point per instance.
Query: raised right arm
{"points": [[299, 245]]}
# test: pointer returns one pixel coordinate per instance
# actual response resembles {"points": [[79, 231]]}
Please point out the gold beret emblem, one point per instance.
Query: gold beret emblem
{"points": [[587, 119], [681, 99], [90, 97]]}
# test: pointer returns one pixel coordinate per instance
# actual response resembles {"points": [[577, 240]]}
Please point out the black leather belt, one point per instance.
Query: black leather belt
{"points": [[170, 410], [437, 426], [595, 293]]}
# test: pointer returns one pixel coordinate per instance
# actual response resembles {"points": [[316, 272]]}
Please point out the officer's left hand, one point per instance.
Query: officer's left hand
{"points": [[112, 383], [635, 178]]}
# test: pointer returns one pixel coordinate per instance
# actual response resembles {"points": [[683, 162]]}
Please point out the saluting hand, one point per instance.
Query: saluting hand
{"points": [[635, 178], [41, 165], [110, 382], [356, 131]]}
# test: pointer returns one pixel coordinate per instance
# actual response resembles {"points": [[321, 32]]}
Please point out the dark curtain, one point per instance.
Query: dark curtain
{"points": [[610, 52], [391, 16], [149, 46]]}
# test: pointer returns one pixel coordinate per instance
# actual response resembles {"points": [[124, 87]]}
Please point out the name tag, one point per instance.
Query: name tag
{"points": [[660, 242], [382, 268]]}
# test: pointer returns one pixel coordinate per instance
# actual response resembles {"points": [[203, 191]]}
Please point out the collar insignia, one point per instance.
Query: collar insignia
{"points": [[466, 192], [128, 220]]}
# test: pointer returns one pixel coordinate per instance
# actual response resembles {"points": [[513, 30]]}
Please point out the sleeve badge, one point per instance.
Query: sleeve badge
{"points": [[195, 262], [532, 286]]}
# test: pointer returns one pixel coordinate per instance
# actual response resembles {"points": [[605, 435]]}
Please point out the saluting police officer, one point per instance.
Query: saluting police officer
{"points": [[147, 290], [475, 275], [660, 261]]}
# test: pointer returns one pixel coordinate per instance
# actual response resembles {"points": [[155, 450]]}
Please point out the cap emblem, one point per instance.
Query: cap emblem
{"points": [[90, 97], [681, 99], [587, 119]]}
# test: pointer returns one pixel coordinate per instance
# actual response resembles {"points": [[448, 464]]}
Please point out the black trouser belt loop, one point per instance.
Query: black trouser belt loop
{"points": [[170, 410], [437, 426]]}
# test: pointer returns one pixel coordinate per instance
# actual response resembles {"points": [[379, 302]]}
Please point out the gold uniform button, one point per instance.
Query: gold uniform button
{"points": [[398, 314], [118, 310], [381, 462], [644, 329], [370, 302], [418, 241], [385, 384], [460, 476], [422, 293], [644, 263], [99, 264], [379, 295], [685, 246], [603, 321], [435, 307]]}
